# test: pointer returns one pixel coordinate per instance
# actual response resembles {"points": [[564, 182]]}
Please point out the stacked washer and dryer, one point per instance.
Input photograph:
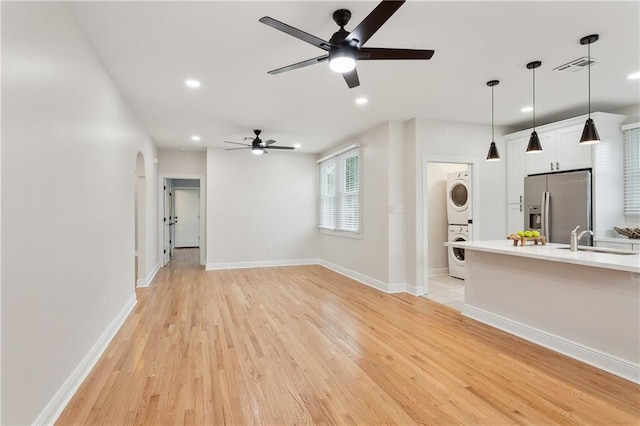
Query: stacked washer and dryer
{"points": [[459, 218]]}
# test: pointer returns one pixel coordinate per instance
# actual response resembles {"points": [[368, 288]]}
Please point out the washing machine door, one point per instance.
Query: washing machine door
{"points": [[458, 253], [459, 195]]}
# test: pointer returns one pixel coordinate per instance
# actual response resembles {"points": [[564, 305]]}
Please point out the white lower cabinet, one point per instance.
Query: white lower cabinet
{"points": [[622, 245]]}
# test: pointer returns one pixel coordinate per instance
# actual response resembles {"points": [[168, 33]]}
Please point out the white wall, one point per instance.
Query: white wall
{"points": [[369, 253], [182, 162], [69, 144], [436, 193], [260, 208]]}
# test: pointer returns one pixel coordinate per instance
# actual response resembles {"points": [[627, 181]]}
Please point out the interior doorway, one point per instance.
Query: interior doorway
{"points": [[182, 213], [450, 190]]}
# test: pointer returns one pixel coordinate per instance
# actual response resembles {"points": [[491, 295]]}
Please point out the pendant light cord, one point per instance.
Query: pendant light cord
{"points": [[589, 73], [534, 99], [492, 131]]}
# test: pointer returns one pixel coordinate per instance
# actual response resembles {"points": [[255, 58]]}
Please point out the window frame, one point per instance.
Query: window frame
{"points": [[631, 169], [339, 224]]}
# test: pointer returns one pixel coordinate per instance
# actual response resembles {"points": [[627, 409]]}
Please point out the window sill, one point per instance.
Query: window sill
{"points": [[346, 234]]}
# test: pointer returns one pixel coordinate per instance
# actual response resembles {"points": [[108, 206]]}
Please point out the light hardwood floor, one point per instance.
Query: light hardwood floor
{"points": [[303, 344]]}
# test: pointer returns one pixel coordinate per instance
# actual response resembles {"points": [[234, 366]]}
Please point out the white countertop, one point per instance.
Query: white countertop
{"points": [[555, 253]]}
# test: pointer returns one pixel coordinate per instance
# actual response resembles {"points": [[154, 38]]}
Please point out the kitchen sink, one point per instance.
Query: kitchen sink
{"points": [[603, 250]]}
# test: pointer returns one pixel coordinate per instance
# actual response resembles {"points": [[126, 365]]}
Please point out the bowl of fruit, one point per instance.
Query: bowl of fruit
{"points": [[529, 235]]}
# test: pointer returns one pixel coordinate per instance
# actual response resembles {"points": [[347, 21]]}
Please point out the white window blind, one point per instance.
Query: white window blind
{"points": [[632, 171], [339, 192]]}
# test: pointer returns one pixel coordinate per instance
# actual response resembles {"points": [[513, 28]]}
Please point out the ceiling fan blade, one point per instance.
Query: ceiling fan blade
{"points": [[299, 34], [374, 21], [352, 78], [374, 53], [233, 149], [237, 143], [278, 147], [269, 142], [299, 64]]}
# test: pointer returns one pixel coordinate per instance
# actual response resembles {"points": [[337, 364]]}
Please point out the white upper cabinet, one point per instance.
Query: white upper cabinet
{"points": [[541, 162], [515, 170], [561, 151]]}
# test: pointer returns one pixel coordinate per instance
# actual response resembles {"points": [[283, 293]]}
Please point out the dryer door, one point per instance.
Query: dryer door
{"points": [[459, 195]]}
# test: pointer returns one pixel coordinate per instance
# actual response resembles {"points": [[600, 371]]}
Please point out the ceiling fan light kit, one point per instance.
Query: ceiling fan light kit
{"points": [[344, 48], [534, 142], [589, 133], [257, 145], [493, 154]]}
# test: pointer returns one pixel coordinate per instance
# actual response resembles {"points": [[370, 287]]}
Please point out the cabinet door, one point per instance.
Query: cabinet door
{"points": [[515, 218], [570, 154], [540, 162], [614, 245], [515, 170]]}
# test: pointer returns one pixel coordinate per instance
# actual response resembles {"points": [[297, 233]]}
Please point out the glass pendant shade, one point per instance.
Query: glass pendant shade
{"points": [[534, 143], [589, 133], [493, 153]]}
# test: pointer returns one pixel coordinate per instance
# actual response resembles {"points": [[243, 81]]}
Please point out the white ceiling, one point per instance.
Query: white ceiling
{"points": [[150, 48]]}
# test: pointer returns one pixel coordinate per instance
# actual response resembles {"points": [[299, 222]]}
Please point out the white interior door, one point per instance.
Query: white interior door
{"points": [[187, 217], [168, 223]]}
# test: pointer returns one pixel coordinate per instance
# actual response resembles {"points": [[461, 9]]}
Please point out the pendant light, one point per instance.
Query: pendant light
{"points": [[493, 149], [534, 142], [589, 134]]}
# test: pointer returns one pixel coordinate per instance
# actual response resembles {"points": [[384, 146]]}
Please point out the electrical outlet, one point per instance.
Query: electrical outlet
{"points": [[635, 276]]}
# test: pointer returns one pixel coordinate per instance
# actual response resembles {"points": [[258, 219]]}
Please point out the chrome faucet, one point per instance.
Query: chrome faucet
{"points": [[575, 238]]}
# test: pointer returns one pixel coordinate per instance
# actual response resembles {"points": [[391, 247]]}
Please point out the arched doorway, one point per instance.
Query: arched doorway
{"points": [[140, 218]]}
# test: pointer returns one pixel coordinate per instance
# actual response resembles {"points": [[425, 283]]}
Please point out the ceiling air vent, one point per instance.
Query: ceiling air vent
{"points": [[576, 65]]}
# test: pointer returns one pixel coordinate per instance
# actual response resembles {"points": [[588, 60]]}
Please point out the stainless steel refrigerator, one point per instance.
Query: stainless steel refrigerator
{"points": [[556, 203]]}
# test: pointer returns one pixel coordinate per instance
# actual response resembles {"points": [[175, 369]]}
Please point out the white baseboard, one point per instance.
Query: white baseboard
{"points": [[364, 279], [415, 290], [260, 264], [145, 282], [602, 360], [61, 398], [438, 272]]}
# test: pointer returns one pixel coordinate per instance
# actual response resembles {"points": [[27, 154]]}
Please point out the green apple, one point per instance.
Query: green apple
{"points": [[535, 233], [528, 234], [520, 233]]}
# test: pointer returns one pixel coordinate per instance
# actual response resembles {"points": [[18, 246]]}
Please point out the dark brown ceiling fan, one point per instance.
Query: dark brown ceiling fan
{"points": [[345, 48], [257, 145]]}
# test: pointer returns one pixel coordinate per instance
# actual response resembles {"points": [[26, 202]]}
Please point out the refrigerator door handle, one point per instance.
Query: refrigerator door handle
{"points": [[545, 214]]}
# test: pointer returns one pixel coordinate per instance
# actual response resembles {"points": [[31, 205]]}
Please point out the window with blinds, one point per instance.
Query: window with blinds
{"points": [[632, 171], [339, 191]]}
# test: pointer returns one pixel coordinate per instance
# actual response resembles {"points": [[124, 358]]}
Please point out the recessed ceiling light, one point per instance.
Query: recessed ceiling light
{"points": [[634, 76], [296, 145], [362, 101], [526, 109], [192, 83], [195, 138]]}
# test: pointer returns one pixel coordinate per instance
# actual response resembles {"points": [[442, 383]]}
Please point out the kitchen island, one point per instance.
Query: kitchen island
{"points": [[583, 304]]}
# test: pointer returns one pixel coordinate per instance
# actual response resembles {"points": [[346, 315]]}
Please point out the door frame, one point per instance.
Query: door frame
{"points": [[422, 247], [201, 179]]}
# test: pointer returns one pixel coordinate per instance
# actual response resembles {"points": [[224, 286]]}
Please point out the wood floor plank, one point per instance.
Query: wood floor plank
{"points": [[306, 345]]}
